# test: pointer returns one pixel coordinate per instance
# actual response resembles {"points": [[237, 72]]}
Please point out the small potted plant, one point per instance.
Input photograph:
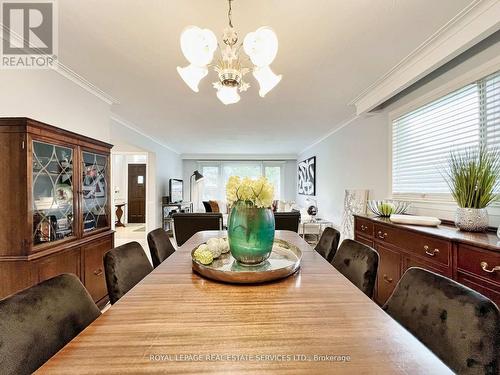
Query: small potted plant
{"points": [[473, 176], [251, 221]]}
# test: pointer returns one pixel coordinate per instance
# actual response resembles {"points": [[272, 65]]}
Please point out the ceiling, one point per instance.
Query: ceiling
{"points": [[329, 52]]}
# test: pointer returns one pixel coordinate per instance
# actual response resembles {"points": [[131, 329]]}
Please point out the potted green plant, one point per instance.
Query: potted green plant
{"points": [[250, 229], [473, 176]]}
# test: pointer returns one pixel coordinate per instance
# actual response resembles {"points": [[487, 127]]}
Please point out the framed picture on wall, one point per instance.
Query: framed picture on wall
{"points": [[307, 176]]}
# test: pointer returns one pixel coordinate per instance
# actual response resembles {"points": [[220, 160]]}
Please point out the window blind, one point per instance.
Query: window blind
{"points": [[423, 138]]}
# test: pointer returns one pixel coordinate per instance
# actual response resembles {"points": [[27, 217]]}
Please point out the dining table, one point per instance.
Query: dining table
{"points": [[313, 322]]}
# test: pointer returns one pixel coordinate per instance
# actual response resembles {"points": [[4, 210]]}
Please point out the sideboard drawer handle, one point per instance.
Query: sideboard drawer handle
{"points": [[484, 266], [432, 253], [98, 272], [363, 227], [388, 279], [381, 235]]}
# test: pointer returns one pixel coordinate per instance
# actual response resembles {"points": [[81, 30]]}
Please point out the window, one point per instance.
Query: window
{"points": [[423, 139], [217, 174]]}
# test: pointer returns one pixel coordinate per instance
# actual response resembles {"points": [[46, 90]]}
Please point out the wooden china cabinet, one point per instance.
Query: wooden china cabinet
{"points": [[55, 200], [472, 259]]}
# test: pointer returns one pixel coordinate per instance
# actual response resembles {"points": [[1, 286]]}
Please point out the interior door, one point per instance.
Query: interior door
{"points": [[136, 193]]}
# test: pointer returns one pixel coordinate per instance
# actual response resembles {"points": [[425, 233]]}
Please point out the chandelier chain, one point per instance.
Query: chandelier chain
{"points": [[229, 14]]}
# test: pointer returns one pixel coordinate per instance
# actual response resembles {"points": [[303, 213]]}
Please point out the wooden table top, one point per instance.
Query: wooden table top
{"points": [[174, 321]]}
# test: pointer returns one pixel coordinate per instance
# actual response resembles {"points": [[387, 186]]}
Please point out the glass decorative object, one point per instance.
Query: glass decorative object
{"points": [[250, 233]]}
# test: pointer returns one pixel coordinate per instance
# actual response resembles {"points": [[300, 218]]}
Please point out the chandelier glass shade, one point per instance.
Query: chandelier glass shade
{"points": [[233, 60]]}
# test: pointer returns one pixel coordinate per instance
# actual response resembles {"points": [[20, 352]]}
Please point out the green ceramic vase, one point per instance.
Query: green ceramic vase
{"points": [[250, 233]]}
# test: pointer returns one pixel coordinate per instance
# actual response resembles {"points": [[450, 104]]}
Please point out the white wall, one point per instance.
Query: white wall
{"points": [[46, 96], [357, 155]]}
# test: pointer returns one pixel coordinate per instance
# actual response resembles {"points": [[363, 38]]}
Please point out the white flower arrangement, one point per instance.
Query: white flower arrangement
{"points": [[259, 193]]}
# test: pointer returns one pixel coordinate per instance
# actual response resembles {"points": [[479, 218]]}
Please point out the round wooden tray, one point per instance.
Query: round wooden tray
{"points": [[283, 261]]}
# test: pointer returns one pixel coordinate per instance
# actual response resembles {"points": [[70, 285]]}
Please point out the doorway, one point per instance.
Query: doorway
{"points": [[136, 193]]}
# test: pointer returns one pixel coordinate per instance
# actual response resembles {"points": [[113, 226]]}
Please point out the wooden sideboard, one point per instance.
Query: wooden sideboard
{"points": [[469, 258], [55, 199]]}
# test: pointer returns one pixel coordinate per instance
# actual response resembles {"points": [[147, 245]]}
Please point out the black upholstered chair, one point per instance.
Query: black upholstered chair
{"points": [[125, 266], [287, 220], [159, 246], [207, 206], [359, 263], [461, 326], [328, 243], [37, 322], [186, 225]]}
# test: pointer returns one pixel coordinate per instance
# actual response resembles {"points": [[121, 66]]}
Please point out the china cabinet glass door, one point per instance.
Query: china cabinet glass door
{"points": [[52, 194], [95, 208]]}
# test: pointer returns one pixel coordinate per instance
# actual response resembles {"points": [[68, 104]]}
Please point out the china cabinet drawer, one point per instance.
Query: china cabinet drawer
{"points": [[483, 263], [432, 249], [364, 227], [94, 269], [54, 265]]}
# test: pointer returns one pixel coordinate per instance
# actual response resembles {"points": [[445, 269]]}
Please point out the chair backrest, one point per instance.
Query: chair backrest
{"points": [[37, 322], [159, 246], [125, 266], [328, 243], [186, 225], [207, 206], [461, 326], [287, 221], [359, 263]]}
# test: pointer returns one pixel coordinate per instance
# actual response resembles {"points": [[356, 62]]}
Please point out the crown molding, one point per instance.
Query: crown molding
{"points": [[66, 71], [74, 77], [135, 129], [473, 24], [217, 157]]}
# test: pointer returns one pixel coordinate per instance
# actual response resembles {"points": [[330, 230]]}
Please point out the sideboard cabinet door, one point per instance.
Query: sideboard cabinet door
{"points": [[389, 272]]}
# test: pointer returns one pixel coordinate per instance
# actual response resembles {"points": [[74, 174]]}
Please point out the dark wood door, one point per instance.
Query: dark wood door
{"points": [[388, 273], [136, 193]]}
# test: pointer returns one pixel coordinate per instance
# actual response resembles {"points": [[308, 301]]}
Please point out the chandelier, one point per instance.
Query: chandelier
{"points": [[200, 45]]}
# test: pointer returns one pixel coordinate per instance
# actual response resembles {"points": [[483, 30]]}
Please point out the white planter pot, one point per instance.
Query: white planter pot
{"points": [[472, 219]]}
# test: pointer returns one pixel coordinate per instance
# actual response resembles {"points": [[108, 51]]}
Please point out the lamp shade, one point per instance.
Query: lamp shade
{"points": [[261, 46], [228, 94], [198, 176], [192, 75], [198, 45], [267, 79]]}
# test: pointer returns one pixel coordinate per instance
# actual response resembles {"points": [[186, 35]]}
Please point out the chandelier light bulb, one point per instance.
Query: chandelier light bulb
{"points": [[198, 45], [192, 75], [267, 79], [261, 46], [228, 94]]}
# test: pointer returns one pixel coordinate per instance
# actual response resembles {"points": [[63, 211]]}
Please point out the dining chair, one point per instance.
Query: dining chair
{"points": [[287, 221], [461, 326], [159, 246], [124, 267], [358, 263], [37, 322], [187, 224], [328, 243]]}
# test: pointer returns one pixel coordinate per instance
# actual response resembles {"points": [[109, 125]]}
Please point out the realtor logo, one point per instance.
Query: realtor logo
{"points": [[29, 34]]}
